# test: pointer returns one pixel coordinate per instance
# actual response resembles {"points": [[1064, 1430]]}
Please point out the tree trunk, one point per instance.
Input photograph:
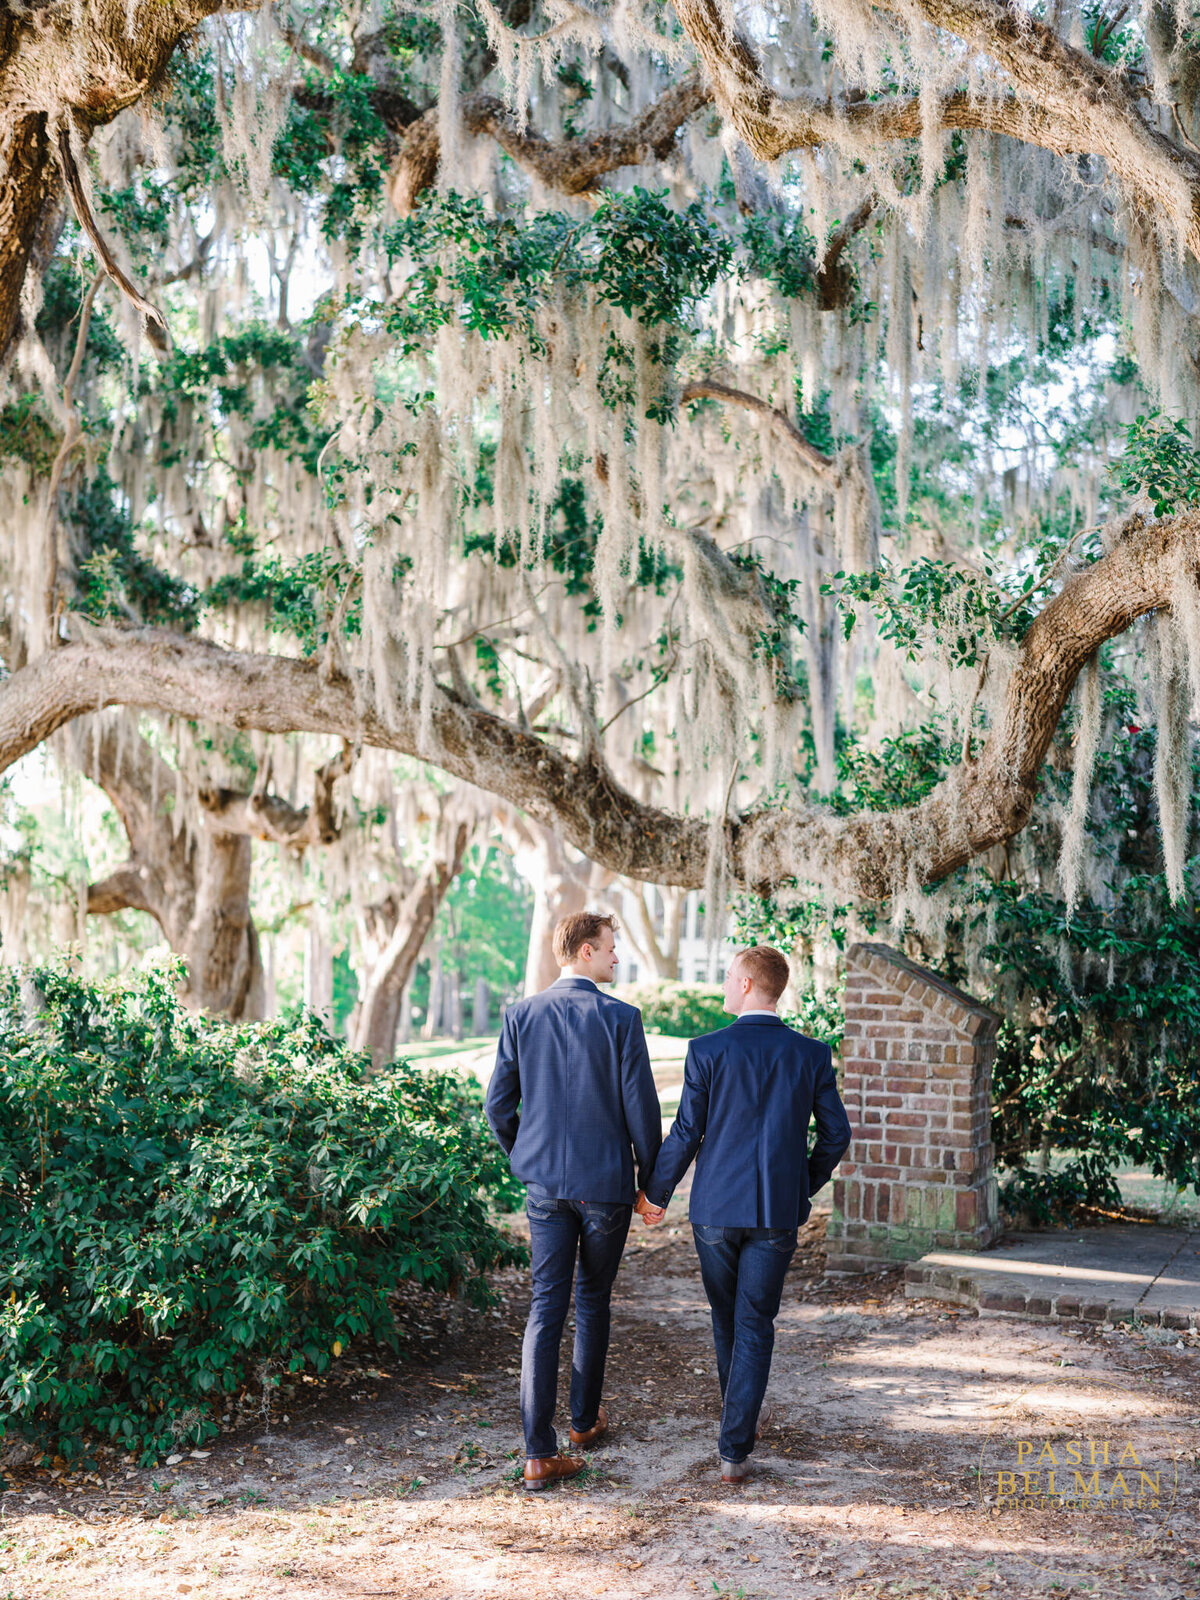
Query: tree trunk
{"points": [[552, 898], [675, 901], [29, 207], [221, 943], [318, 970], [560, 887], [657, 953], [383, 996], [481, 1013], [196, 885], [433, 1011]]}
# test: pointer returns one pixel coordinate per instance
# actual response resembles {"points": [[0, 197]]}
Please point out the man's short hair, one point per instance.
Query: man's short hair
{"points": [[766, 968], [580, 928]]}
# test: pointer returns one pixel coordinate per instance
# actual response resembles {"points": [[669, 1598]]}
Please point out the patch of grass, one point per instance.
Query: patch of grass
{"points": [[403, 1489]]}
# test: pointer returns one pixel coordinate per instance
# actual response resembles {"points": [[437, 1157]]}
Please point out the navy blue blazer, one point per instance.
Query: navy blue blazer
{"points": [[749, 1091], [576, 1063]]}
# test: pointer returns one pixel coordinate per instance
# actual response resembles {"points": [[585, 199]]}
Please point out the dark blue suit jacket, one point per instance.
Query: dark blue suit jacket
{"points": [[749, 1091], [576, 1063]]}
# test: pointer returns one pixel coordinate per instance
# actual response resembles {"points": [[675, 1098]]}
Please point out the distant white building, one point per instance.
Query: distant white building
{"points": [[698, 963]]}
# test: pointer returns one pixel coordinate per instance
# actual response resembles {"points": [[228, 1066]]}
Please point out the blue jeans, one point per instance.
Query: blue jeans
{"points": [[558, 1230], [743, 1271]]}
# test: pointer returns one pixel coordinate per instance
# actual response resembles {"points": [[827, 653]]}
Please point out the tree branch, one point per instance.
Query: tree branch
{"points": [[156, 325], [1066, 101], [574, 166], [84, 59], [267, 816], [871, 855], [72, 433], [846, 475], [833, 277], [127, 889], [779, 423]]}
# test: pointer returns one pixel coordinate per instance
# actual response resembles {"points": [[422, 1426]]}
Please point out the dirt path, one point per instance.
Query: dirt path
{"points": [[399, 1480]]}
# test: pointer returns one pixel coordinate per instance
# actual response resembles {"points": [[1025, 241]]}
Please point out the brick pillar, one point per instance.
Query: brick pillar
{"points": [[916, 1081]]}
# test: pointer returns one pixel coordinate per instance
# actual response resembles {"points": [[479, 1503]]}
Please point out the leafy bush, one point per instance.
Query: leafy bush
{"points": [[680, 1010], [683, 1010], [1044, 1198], [820, 1016], [1099, 1054], [188, 1208]]}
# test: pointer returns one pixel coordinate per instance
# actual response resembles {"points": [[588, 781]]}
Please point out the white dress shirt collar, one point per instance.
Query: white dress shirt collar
{"points": [[758, 1013], [575, 977]]}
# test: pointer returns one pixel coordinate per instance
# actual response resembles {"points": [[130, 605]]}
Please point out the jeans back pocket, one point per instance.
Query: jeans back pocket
{"points": [[604, 1219]]}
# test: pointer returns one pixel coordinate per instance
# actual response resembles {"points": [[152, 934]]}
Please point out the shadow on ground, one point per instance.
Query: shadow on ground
{"points": [[402, 1478]]}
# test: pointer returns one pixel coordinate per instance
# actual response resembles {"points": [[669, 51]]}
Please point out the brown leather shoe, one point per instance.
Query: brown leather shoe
{"points": [[597, 1431], [542, 1471]]}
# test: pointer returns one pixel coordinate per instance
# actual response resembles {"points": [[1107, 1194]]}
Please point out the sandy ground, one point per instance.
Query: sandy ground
{"points": [[399, 1478]]}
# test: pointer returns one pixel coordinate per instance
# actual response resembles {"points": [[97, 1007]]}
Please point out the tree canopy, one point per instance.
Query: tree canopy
{"points": [[724, 435]]}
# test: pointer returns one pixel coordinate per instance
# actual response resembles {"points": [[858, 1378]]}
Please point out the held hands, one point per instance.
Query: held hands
{"points": [[650, 1215]]}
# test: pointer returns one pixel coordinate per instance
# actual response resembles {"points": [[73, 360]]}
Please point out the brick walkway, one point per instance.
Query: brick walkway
{"points": [[1123, 1273]]}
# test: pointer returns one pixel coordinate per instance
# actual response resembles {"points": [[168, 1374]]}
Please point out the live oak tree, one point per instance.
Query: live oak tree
{"points": [[559, 394]]}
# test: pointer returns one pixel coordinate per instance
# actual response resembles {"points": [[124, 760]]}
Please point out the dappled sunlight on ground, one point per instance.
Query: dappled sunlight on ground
{"points": [[403, 1481]]}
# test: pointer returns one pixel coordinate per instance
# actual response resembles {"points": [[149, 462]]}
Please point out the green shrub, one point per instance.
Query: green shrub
{"points": [[1046, 1198], [681, 1010], [188, 1208], [820, 1016]]}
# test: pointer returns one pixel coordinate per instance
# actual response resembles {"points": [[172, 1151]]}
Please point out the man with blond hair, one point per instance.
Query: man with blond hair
{"points": [[572, 1101], [749, 1092]]}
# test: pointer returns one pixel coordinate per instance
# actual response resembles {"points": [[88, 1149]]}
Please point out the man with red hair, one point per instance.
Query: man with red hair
{"points": [[749, 1093]]}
